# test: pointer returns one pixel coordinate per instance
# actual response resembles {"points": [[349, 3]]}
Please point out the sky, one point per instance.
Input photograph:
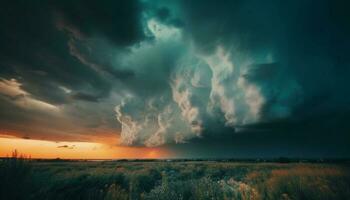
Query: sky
{"points": [[175, 79]]}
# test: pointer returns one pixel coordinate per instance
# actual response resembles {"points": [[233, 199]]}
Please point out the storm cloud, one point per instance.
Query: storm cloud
{"points": [[179, 74]]}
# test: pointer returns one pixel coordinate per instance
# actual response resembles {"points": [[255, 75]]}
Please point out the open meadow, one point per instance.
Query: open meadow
{"points": [[170, 180]]}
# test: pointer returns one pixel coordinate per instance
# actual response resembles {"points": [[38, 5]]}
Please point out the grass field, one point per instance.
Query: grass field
{"points": [[26, 179]]}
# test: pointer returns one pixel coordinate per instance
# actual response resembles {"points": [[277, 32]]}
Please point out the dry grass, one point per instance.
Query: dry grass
{"points": [[175, 180], [306, 182]]}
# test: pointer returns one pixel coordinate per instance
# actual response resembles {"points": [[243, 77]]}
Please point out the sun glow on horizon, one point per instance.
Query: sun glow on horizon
{"points": [[75, 150]]}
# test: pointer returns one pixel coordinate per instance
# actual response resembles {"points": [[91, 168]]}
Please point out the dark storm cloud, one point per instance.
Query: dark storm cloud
{"points": [[85, 97], [266, 60], [33, 48], [309, 40], [99, 62], [237, 73], [318, 136], [260, 25], [309, 43], [45, 54], [119, 21]]}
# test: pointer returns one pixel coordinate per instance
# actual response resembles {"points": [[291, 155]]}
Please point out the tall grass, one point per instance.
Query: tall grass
{"points": [[21, 178], [303, 182], [15, 177]]}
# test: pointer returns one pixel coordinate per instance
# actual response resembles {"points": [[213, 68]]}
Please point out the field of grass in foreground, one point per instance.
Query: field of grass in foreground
{"points": [[26, 179]]}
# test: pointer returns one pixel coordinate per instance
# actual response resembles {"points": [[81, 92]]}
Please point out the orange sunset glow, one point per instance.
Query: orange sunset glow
{"points": [[76, 150]]}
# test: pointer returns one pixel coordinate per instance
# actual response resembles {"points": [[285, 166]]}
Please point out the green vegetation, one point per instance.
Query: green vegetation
{"points": [[25, 179]]}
